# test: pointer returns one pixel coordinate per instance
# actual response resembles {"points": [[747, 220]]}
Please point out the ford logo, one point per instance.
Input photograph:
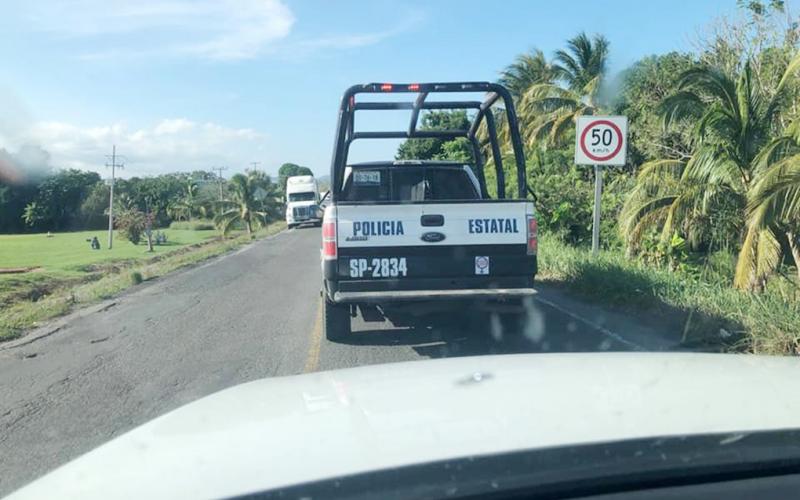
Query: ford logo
{"points": [[432, 237]]}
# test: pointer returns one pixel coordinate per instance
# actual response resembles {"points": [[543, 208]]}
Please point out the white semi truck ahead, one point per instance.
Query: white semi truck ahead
{"points": [[302, 201]]}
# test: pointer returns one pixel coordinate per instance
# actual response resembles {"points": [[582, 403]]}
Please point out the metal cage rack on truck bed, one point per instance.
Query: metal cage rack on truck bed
{"points": [[346, 134]]}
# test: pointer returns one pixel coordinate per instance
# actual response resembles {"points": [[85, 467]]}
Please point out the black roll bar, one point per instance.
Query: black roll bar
{"points": [[498, 157], [345, 133], [412, 126], [404, 134], [476, 153]]}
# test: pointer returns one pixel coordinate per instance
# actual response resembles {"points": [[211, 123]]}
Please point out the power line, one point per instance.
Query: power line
{"points": [[114, 166]]}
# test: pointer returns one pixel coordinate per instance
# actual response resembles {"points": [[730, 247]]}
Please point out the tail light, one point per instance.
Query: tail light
{"points": [[533, 229], [329, 239]]}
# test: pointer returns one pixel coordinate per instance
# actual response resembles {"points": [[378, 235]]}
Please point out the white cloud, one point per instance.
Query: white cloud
{"points": [[221, 30], [410, 20], [213, 29], [172, 126], [170, 145]]}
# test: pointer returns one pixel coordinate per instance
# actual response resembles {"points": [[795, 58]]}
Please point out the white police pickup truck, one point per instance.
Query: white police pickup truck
{"points": [[422, 231]]}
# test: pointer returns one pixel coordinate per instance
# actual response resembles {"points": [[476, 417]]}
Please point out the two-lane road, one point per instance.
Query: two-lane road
{"points": [[252, 314]]}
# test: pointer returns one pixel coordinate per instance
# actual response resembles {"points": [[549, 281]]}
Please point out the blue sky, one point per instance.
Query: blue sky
{"points": [[185, 84]]}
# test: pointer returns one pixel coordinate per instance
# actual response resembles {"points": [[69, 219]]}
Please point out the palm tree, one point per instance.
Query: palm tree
{"points": [[548, 110], [583, 63], [527, 70], [33, 214], [187, 206], [733, 121], [253, 201], [773, 211]]}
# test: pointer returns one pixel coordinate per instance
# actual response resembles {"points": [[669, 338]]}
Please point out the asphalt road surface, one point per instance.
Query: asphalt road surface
{"points": [[252, 314]]}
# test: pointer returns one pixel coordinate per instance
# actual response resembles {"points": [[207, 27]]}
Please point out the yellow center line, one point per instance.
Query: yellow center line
{"points": [[312, 360]]}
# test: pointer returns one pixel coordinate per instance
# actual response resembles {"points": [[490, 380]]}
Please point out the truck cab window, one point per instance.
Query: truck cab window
{"points": [[408, 184]]}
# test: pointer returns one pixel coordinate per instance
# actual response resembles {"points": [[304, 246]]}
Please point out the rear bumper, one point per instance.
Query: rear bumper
{"points": [[417, 295], [425, 289]]}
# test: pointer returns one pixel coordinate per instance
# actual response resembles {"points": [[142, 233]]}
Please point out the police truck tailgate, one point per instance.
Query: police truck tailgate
{"points": [[424, 246]]}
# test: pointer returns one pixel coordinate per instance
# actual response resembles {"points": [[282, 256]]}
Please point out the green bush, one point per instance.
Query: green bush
{"points": [[136, 277], [131, 224], [193, 225], [565, 195]]}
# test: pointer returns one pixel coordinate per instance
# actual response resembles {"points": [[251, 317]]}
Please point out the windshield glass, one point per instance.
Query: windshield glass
{"points": [[414, 230], [310, 196]]}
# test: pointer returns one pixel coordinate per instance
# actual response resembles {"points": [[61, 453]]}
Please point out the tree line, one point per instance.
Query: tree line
{"points": [[714, 144], [72, 200]]}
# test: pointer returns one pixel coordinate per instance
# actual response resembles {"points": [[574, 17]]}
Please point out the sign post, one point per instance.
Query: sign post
{"points": [[600, 140]]}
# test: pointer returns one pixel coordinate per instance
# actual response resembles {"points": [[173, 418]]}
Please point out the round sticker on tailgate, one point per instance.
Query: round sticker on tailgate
{"points": [[481, 265]]}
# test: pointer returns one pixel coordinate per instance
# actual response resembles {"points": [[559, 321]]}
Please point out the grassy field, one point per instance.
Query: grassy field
{"points": [[70, 252], [700, 302], [72, 274]]}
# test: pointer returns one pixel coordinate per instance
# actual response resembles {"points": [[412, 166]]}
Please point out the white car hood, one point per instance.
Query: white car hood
{"points": [[284, 431]]}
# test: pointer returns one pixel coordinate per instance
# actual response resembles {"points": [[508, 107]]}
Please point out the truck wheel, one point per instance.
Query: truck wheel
{"points": [[291, 226], [336, 320]]}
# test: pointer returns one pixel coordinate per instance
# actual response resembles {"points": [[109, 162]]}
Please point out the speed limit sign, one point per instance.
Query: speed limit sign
{"points": [[601, 140]]}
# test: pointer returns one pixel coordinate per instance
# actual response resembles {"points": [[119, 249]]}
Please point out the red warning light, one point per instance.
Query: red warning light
{"points": [[413, 87], [386, 87]]}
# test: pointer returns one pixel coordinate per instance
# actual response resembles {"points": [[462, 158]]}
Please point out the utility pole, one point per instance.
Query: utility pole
{"points": [[255, 164], [114, 165], [219, 179]]}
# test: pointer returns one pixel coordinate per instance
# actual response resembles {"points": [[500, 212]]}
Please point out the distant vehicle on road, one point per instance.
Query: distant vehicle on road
{"points": [[302, 201], [400, 233]]}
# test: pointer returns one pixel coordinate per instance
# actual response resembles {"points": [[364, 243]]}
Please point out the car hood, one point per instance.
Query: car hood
{"points": [[283, 431]]}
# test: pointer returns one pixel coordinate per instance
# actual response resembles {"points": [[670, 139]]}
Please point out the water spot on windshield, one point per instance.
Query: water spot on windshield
{"points": [[533, 326]]}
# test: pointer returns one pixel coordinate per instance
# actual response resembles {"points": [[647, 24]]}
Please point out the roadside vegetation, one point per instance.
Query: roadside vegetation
{"points": [[698, 301], [59, 256], [63, 284], [702, 226]]}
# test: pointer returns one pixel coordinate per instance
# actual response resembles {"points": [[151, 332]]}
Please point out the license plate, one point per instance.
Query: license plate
{"points": [[385, 267]]}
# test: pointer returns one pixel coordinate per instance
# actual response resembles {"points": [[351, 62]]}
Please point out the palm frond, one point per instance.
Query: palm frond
{"points": [[657, 169], [711, 81], [678, 106], [775, 197], [634, 211], [560, 125], [790, 73]]}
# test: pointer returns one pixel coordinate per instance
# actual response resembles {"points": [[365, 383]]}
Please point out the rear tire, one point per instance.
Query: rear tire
{"points": [[291, 226], [336, 320]]}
